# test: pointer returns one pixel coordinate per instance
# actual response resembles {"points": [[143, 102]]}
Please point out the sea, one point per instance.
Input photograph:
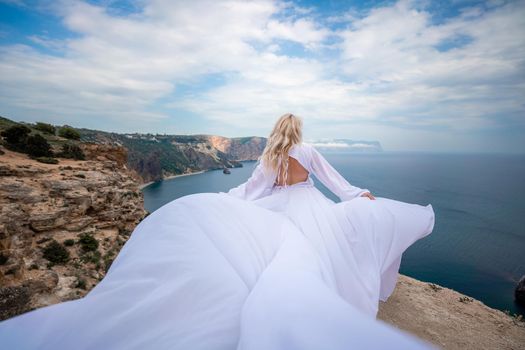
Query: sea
{"points": [[477, 246]]}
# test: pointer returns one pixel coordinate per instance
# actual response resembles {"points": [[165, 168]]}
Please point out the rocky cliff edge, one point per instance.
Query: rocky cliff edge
{"points": [[61, 225]]}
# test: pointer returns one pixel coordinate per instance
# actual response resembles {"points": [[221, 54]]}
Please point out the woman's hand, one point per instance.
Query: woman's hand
{"points": [[369, 195]]}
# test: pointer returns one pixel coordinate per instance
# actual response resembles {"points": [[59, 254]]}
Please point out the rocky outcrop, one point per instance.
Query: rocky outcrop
{"points": [[100, 152], [239, 148], [61, 225], [450, 319]]}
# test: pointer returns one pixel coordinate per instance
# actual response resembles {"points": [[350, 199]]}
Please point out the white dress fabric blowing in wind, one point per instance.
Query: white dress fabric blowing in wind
{"points": [[258, 267]]}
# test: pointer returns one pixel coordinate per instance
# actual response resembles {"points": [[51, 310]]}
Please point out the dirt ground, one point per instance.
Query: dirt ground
{"points": [[437, 314]]}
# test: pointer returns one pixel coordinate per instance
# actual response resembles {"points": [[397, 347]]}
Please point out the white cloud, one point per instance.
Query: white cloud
{"points": [[302, 31], [383, 73], [394, 48]]}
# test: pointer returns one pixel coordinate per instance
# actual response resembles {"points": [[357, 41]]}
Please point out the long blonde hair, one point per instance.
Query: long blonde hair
{"points": [[286, 133]]}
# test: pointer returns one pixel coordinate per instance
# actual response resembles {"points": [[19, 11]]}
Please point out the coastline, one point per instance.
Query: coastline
{"points": [[141, 187]]}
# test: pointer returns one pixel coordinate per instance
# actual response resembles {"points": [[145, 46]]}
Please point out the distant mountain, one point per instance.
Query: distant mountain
{"points": [[345, 145], [155, 156]]}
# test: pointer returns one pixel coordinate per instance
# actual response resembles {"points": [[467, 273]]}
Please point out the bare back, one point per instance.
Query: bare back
{"points": [[296, 173]]}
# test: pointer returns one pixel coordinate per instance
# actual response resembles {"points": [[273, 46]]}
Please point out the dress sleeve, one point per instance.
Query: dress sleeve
{"points": [[334, 181], [255, 187]]}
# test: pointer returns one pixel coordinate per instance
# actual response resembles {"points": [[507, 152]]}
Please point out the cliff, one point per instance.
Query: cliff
{"points": [[154, 157], [61, 225], [239, 148], [449, 319]]}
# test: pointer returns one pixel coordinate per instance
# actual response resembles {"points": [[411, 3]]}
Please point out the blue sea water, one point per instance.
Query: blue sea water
{"points": [[478, 243]]}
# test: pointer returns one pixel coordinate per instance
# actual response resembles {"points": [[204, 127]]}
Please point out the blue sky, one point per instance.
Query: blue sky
{"points": [[415, 75]]}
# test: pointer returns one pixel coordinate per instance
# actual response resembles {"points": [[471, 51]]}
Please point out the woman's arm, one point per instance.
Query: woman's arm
{"points": [[334, 181], [255, 187]]}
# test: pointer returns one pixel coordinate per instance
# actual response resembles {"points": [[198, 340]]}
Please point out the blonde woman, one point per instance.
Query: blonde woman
{"points": [[272, 264], [286, 161]]}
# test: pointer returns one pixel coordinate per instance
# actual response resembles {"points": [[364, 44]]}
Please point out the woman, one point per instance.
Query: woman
{"points": [[359, 242], [271, 264]]}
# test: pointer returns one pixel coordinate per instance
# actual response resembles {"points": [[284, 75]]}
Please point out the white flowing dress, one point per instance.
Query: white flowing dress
{"points": [[258, 267]]}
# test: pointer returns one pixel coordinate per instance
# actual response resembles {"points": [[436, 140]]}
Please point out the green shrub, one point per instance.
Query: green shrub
{"points": [[68, 133], [37, 146], [92, 256], [81, 283], [88, 242], [47, 160], [44, 127], [69, 242], [72, 151], [16, 135], [56, 253], [18, 138]]}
